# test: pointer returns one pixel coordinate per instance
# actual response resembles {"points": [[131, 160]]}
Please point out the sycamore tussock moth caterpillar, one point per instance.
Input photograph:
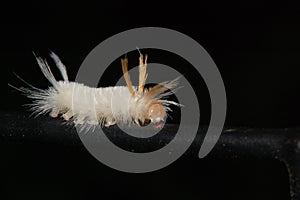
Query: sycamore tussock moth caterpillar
{"points": [[105, 106]]}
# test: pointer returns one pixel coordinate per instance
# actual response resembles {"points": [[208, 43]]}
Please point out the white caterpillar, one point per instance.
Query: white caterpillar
{"points": [[105, 106]]}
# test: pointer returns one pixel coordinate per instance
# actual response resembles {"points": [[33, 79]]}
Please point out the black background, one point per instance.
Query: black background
{"points": [[256, 46]]}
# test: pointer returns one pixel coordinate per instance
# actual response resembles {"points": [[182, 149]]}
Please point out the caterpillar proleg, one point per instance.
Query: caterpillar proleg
{"points": [[105, 106]]}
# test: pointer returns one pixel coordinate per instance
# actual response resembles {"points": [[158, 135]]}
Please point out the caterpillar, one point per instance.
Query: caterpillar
{"points": [[105, 106]]}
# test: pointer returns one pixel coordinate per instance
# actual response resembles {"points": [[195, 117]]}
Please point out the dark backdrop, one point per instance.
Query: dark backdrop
{"points": [[256, 46]]}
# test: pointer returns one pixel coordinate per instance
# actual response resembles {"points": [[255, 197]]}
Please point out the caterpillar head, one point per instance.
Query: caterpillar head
{"points": [[156, 113]]}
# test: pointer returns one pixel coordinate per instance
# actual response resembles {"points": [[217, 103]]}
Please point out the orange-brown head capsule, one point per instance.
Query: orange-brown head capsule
{"points": [[156, 112]]}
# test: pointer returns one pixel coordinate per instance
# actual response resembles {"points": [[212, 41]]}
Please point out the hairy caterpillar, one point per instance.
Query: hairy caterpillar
{"points": [[131, 104]]}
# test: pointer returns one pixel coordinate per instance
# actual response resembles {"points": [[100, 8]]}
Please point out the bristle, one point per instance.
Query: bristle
{"points": [[60, 66], [46, 71], [126, 75], [158, 90], [142, 73]]}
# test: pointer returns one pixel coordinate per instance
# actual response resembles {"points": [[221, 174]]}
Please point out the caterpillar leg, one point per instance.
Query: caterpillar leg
{"points": [[110, 121], [54, 113], [137, 122], [67, 115]]}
